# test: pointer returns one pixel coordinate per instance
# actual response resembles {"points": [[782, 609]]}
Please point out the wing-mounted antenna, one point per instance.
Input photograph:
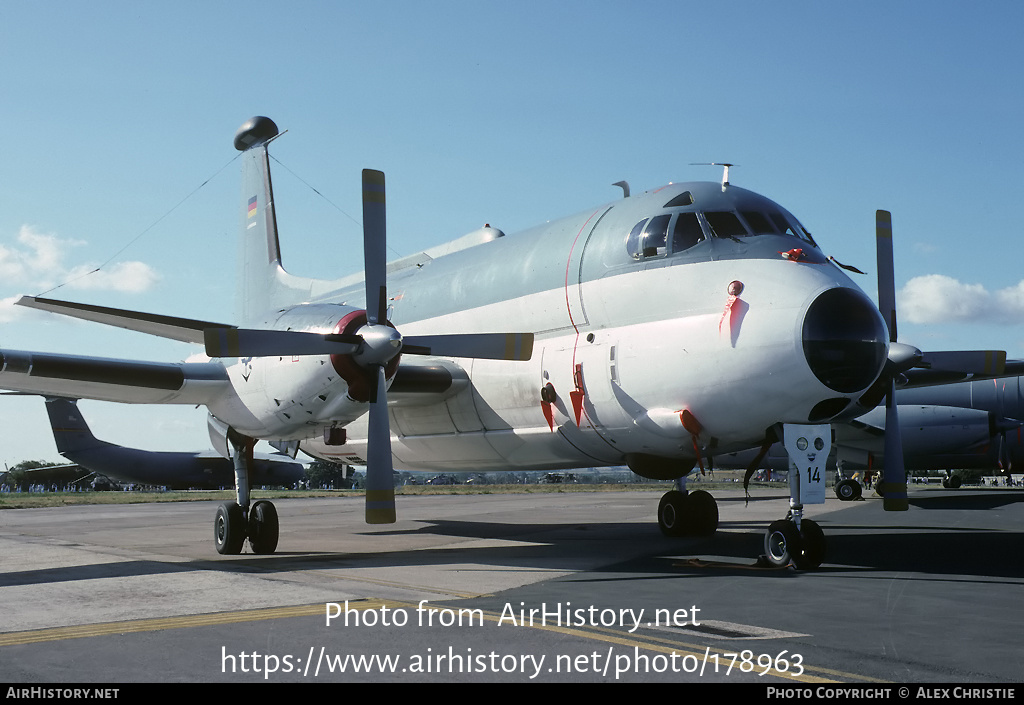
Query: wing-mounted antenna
{"points": [[725, 170]]}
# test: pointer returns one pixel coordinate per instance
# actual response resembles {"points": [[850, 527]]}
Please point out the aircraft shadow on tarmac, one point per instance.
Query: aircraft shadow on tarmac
{"points": [[963, 552], [967, 499]]}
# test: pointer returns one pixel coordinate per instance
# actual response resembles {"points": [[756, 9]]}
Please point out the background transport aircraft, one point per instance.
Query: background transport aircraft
{"points": [[655, 330], [933, 437], [209, 470], [967, 425]]}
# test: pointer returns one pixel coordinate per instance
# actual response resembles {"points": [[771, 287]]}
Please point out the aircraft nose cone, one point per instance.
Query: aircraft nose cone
{"points": [[844, 340]]}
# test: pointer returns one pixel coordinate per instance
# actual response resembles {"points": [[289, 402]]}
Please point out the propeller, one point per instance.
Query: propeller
{"points": [[380, 485], [902, 358], [894, 479], [256, 342]]}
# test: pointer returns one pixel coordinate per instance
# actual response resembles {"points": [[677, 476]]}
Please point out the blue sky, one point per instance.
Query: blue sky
{"points": [[496, 112]]}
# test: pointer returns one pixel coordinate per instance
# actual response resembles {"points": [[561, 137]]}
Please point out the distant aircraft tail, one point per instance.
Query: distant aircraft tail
{"points": [[70, 431], [264, 284]]}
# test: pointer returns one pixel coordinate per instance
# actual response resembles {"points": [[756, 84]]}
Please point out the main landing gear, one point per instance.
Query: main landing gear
{"points": [[848, 490], [236, 521], [683, 513]]}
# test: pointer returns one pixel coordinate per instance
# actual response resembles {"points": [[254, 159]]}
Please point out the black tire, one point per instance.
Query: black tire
{"points": [[812, 546], [781, 542], [701, 513], [672, 513], [264, 528], [954, 482], [848, 490], [229, 529]]}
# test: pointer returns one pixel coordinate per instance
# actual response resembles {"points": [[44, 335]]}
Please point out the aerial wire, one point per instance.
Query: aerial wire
{"points": [[150, 227]]}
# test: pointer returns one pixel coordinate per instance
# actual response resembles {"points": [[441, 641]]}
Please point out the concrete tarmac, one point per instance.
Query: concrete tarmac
{"points": [[559, 587]]}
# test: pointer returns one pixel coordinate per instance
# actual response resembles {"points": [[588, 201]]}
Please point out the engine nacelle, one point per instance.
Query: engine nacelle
{"points": [[300, 396]]}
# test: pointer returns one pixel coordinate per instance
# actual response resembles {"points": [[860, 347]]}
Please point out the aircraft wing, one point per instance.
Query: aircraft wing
{"points": [[110, 379], [923, 377]]}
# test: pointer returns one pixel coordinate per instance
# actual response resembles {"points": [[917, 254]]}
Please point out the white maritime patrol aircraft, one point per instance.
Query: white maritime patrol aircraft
{"points": [[694, 319]]}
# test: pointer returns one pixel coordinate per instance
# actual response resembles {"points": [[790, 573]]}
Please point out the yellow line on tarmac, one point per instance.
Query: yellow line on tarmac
{"points": [[810, 674], [180, 622]]}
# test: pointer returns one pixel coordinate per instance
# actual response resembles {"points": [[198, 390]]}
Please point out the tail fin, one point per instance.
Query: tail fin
{"points": [[70, 431], [263, 283]]}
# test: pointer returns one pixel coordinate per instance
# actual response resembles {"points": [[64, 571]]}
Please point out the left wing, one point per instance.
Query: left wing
{"points": [[110, 379]]}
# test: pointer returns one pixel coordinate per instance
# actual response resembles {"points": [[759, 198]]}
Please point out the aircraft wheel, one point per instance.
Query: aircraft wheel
{"points": [[229, 529], [812, 545], [954, 482], [781, 543], [848, 490], [672, 513], [264, 528], [701, 513]]}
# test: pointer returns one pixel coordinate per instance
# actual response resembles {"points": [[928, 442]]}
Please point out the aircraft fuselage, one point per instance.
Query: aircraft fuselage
{"points": [[643, 308]]}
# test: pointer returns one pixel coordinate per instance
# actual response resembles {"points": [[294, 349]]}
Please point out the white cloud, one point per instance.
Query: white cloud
{"points": [[37, 263], [936, 298], [8, 311], [131, 277]]}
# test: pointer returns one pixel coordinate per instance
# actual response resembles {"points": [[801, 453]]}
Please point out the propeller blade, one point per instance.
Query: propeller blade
{"points": [[247, 342], [886, 275], [380, 485], [375, 246], [894, 479], [490, 346], [982, 362]]}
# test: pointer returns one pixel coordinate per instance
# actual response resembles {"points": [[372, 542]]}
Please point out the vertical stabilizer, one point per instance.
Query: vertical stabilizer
{"points": [[263, 283], [70, 431]]}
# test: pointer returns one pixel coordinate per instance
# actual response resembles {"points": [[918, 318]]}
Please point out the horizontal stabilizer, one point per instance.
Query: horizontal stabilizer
{"points": [[186, 330]]}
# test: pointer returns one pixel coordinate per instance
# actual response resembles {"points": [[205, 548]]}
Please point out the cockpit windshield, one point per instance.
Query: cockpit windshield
{"points": [[686, 225]]}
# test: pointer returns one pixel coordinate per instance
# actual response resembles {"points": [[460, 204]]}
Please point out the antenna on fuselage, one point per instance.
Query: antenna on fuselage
{"points": [[624, 185], [725, 171]]}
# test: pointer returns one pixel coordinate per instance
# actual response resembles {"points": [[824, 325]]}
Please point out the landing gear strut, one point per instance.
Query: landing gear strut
{"points": [[236, 521], [795, 539], [683, 513]]}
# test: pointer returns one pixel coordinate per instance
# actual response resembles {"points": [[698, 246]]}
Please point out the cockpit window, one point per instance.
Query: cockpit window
{"points": [[759, 223], [791, 227], [686, 232], [784, 227], [655, 236], [725, 224], [633, 239], [649, 237]]}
